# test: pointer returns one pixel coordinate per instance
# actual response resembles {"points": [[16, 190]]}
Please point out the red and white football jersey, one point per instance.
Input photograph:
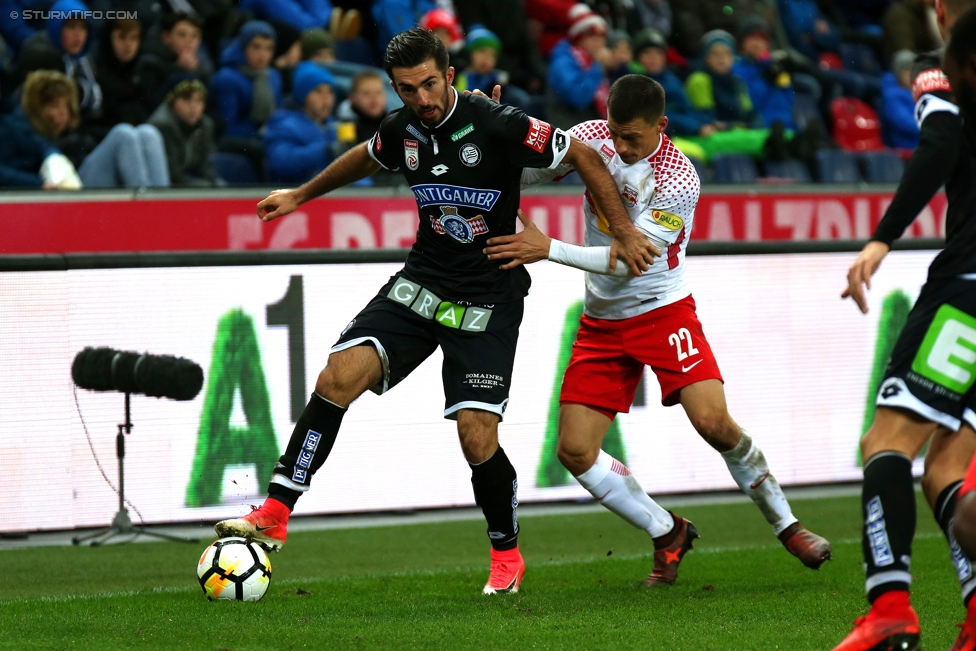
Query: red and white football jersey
{"points": [[660, 193]]}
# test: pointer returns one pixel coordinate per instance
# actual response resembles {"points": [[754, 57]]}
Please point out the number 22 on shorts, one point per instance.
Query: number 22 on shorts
{"points": [[676, 339]]}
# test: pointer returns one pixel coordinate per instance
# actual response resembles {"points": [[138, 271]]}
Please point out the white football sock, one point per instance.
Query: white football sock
{"points": [[610, 481], [748, 467]]}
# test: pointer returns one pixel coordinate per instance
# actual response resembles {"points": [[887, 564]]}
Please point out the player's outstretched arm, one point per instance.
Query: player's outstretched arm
{"points": [[352, 166], [861, 271], [633, 247], [532, 245]]}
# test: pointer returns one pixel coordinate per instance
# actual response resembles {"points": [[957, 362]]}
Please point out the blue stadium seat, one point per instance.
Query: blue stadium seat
{"points": [[734, 168], [836, 166], [236, 169], [793, 170], [805, 111], [882, 166]]}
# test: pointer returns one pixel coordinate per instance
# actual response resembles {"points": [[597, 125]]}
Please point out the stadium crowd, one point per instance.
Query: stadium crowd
{"points": [[133, 93]]}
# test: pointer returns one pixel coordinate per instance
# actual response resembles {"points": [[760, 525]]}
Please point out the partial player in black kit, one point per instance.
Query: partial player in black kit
{"points": [[463, 158], [927, 393]]}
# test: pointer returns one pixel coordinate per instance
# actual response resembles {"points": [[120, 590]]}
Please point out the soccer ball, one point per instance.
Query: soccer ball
{"points": [[235, 569]]}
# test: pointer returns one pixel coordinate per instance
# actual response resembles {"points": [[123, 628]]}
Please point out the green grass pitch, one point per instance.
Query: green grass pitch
{"points": [[419, 587]]}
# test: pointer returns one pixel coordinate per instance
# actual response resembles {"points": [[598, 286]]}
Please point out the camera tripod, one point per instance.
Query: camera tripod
{"points": [[122, 523]]}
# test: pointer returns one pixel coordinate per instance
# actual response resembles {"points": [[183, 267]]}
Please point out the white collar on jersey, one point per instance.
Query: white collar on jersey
{"points": [[660, 143], [447, 117]]}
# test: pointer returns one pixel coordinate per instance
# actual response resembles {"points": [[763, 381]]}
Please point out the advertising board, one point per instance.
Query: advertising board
{"points": [[799, 365]]}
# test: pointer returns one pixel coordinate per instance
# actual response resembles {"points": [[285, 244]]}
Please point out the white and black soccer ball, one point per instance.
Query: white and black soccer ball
{"points": [[234, 569]]}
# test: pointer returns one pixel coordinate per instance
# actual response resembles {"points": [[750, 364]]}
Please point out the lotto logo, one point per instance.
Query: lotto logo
{"points": [[538, 135]]}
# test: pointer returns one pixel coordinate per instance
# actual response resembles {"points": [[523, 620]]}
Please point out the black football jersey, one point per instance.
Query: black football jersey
{"points": [[465, 174], [945, 156]]}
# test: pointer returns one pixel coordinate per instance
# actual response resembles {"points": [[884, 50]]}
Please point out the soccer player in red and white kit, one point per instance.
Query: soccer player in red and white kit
{"points": [[630, 322]]}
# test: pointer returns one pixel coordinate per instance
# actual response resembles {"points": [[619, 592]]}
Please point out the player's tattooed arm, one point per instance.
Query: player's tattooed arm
{"points": [[352, 166], [633, 247]]}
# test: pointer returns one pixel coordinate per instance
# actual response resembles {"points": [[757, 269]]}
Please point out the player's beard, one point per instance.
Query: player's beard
{"points": [[435, 119]]}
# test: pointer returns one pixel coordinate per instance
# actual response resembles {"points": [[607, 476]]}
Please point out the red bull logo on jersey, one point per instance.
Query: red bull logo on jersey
{"points": [[667, 220], [411, 153], [630, 196]]}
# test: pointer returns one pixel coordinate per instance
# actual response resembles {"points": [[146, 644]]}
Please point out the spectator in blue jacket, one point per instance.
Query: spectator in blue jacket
{"points": [[807, 29], [769, 84], [14, 28], [898, 126], [302, 14], [301, 143], [577, 73], [63, 46], [395, 16], [22, 153], [247, 90], [650, 50]]}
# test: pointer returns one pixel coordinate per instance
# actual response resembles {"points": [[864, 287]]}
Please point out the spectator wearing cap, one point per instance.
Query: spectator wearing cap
{"points": [[577, 73], [301, 143], [769, 85], [63, 45], [188, 135], [898, 125], [651, 60], [483, 47], [520, 53], [445, 26], [723, 97], [318, 46], [246, 89], [287, 52]]}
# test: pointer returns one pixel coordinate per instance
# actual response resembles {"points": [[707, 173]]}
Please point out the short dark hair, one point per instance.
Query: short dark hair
{"points": [[169, 21], [413, 47], [635, 96]]}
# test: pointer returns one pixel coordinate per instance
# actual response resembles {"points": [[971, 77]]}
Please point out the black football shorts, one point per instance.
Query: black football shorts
{"points": [[933, 365], [406, 323]]}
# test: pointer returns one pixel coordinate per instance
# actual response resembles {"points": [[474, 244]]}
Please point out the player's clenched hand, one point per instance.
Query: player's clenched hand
{"points": [[278, 204], [634, 249], [861, 271], [531, 245]]}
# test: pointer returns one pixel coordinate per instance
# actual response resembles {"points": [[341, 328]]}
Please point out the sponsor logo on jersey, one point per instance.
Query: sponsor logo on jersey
{"points": [[930, 81], [419, 136], [470, 155], [437, 170], [629, 194], [434, 193], [311, 440], [299, 475], [538, 135], [878, 534], [668, 220], [460, 133], [461, 229], [606, 153], [305, 459], [411, 152]]}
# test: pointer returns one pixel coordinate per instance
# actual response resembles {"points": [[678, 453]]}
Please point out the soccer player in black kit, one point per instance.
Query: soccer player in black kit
{"points": [[927, 394], [463, 158]]}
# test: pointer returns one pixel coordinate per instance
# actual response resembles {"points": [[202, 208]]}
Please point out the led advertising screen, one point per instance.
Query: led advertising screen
{"points": [[800, 366]]}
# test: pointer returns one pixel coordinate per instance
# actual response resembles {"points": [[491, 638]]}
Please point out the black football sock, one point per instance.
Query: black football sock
{"points": [[310, 444], [945, 510], [888, 502], [495, 491]]}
